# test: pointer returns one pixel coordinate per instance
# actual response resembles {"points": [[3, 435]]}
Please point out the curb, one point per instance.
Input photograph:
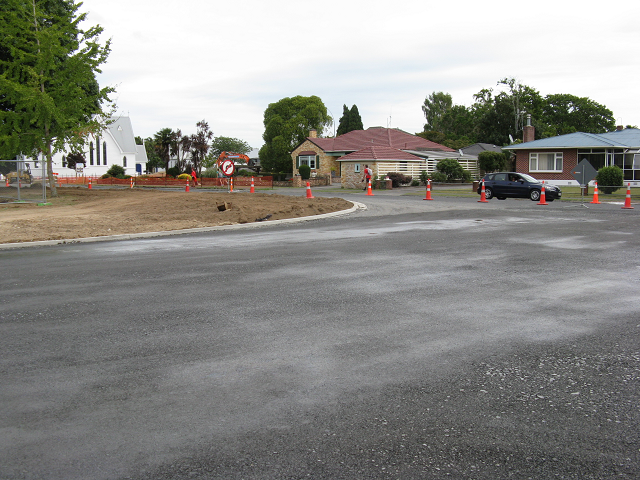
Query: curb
{"points": [[166, 233]]}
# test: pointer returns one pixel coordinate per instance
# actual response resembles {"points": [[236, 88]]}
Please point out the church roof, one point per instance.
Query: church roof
{"points": [[122, 132]]}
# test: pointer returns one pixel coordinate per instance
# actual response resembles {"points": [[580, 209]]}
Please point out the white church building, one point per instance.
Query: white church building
{"points": [[114, 145]]}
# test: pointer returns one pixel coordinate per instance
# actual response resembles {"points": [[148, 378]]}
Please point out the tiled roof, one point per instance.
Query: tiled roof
{"points": [[377, 136], [380, 153]]}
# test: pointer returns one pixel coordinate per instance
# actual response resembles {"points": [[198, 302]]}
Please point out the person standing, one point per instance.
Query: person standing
{"points": [[367, 176]]}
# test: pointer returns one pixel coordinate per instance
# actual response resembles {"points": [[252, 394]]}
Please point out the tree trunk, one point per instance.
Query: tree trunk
{"points": [[50, 176]]}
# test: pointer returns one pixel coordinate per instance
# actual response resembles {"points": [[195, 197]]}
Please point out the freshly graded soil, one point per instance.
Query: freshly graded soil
{"points": [[81, 213]]}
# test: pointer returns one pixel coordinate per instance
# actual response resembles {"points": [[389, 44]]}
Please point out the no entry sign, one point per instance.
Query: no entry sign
{"points": [[228, 168]]}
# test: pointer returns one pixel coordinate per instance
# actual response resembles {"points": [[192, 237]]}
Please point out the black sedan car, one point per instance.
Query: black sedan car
{"points": [[516, 185]]}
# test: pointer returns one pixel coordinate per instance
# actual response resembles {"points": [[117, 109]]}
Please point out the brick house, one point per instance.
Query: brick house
{"points": [[384, 149], [555, 158]]}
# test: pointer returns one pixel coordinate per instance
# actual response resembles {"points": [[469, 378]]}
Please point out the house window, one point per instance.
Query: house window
{"points": [[356, 168], [124, 162], [545, 162], [90, 153], [308, 160], [98, 150], [104, 153]]}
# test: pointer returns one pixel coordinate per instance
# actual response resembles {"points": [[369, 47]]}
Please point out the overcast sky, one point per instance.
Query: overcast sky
{"points": [[176, 63]]}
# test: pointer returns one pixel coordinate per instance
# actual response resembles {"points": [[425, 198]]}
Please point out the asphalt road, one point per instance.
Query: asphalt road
{"points": [[414, 339]]}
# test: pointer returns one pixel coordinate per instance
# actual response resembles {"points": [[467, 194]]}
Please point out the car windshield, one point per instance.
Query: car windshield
{"points": [[529, 178]]}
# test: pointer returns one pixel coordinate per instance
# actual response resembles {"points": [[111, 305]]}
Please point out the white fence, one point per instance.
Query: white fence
{"points": [[413, 169]]}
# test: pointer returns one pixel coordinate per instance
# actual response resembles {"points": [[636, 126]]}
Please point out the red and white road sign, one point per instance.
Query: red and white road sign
{"points": [[228, 168]]}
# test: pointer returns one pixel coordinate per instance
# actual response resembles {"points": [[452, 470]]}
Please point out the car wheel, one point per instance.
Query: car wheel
{"points": [[534, 195], [488, 193], [501, 198]]}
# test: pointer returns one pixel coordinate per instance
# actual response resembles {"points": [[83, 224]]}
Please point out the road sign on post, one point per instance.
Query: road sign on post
{"points": [[584, 173], [228, 168]]}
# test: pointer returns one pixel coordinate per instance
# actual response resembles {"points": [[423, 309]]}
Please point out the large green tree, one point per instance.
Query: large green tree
{"points": [[162, 144], [228, 144], [49, 96], [153, 159], [435, 107], [287, 123], [499, 118], [566, 113]]}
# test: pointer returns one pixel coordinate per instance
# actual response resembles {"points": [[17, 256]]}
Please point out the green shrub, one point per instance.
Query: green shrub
{"points": [[211, 172], [116, 170], [611, 179], [398, 179], [439, 177], [173, 172], [305, 172], [490, 161], [452, 169], [415, 183], [424, 177]]}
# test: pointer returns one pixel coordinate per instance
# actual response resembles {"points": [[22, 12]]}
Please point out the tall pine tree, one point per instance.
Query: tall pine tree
{"points": [[343, 125], [350, 120]]}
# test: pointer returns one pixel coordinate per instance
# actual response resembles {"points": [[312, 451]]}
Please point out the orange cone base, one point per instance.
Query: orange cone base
{"points": [[428, 197], [543, 197], [627, 201]]}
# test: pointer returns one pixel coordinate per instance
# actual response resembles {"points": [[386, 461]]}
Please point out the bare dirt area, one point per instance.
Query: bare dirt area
{"points": [[81, 213]]}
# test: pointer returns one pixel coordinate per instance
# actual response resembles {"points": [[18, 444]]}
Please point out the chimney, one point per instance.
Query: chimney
{"points": [[620, 127], [529, 133], [313, 133]]}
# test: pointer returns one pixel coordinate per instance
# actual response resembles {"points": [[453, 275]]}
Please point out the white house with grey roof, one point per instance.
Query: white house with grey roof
{"points": [[114, 145]]}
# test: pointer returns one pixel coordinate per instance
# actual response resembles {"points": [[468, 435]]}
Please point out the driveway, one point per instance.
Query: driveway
{"points": [[413, 339]]}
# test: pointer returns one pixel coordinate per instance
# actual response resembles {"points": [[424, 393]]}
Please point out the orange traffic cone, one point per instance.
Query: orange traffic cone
{"points": [[483, 195], [186, 188], [369, 192], [595, 195], [309, 191], [252, 190], [89, 184], [543, 196], [131, 184], [428, 197], [230, 184], [627, 201]]}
